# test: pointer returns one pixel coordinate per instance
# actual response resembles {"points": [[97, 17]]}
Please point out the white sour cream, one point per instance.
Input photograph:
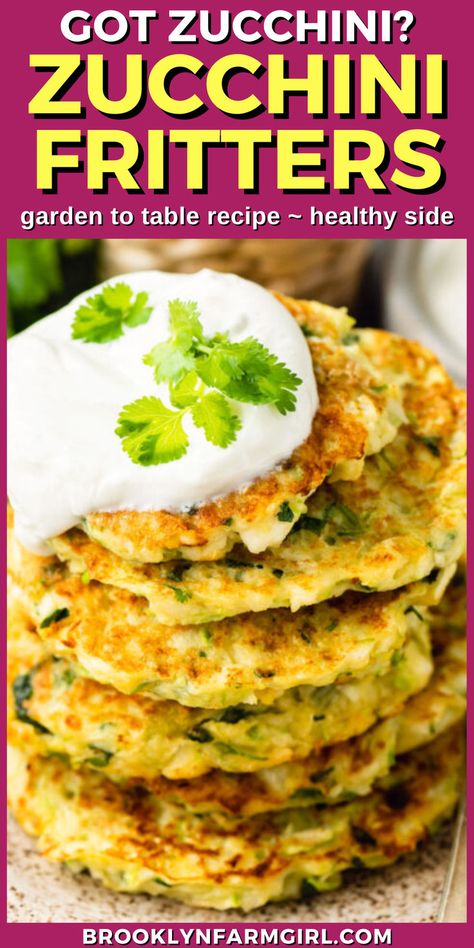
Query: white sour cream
{"points": [[64, 398]]}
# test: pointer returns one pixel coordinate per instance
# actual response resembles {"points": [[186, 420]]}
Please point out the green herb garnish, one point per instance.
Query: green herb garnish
{"points": [[415, 612], [362, 836], [182, 595], [103, 316], [199, 734], [64, 677], [202, 373], [353, 525], [307, 793], [321, 775], [350, 339], [151, 433], [57, 616], [285, 513], [233, 715], [312, 524], [238, 751], [23, 691], [430, 442], [101, 756]]}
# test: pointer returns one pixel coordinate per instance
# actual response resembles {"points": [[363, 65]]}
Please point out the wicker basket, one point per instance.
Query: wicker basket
{"points": [[328, 270]]}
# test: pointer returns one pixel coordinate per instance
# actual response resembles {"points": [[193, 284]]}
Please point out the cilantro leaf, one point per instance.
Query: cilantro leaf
{"points": [[214, 414], [264, 379], [151, 433], [219, 365], [117, 296], [190, 363], [138, 313], [248, 372], [185, 323], [170, 364], [102, 317], [183, 393], [94, 323], [182, 595]]}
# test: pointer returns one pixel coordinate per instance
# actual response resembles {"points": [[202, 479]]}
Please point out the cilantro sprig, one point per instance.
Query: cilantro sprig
{"points": [[244, 371], [102, 317], [206, 376]]}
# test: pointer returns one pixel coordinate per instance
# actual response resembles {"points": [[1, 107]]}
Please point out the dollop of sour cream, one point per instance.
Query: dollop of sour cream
{"points": [[64, 397]]}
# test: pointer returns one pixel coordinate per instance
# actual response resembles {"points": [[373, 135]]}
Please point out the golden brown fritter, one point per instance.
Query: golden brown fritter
{"points": [[328, 775], [403, 518], [137, 736], [359, 413], [116, 638], [133, 841]]}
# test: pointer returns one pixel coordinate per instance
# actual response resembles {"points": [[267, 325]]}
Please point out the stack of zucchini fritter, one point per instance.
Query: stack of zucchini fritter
{"points": [[237, 703]]}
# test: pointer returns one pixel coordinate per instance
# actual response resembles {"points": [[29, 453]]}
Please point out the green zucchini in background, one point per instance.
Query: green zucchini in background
{"points": [[44, 274]]}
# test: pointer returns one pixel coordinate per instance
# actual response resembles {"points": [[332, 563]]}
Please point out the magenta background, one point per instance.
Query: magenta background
{"points": [[437, 30], [33, 27]]}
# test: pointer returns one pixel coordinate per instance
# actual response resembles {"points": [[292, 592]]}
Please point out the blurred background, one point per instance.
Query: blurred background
{"points": [[414, 287]]}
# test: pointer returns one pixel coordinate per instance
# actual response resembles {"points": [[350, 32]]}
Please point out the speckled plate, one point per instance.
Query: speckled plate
{"points": [[410, 891]]}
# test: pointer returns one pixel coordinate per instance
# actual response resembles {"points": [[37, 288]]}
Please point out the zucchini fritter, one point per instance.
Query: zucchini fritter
{"points": [[403, 518], [359, 413], [253, 657], [133, 841], [137, 736]]}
